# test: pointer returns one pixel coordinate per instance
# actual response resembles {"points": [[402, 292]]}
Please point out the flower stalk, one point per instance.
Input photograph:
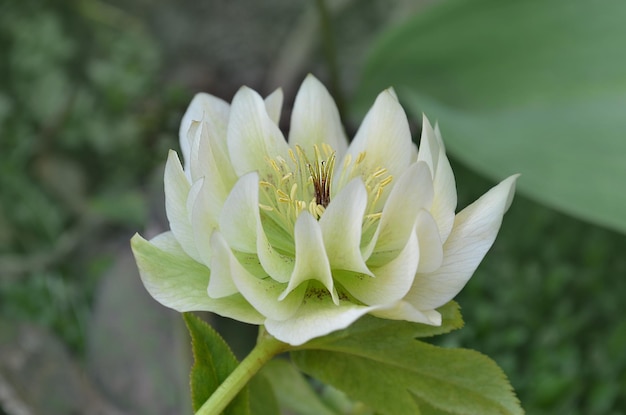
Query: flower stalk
{"points": [[266, 348]]}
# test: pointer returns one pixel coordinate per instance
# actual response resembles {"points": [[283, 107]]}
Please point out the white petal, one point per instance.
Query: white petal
{"points": [[177, 281], [341, 226], [240, 214], [262, 293], [384, 137], [311, 259], [432, 152], [475, 229], [203, 220], [240, 223], [207, 107], [429, 240], [252, 135], [405, 311], [274, 104], [211, 161], [176, 192], [315, 119], [392, 281], [316, 317], [413, 191]]}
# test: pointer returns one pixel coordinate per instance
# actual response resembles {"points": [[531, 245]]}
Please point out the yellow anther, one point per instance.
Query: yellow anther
{"points": [[292, 156], [347, 160], [360, 157], [380, 172], [374, 216], [266, 207], [263, 183], [286, 177], [319, 210], [274, 165], [294, 188], [379, 193], [386, 181]]}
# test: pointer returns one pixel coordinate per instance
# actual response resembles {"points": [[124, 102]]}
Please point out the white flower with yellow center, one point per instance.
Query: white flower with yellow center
{"points": [[307, 236]]}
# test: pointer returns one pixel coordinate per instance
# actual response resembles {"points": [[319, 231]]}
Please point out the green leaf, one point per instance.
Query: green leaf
{"points": [[296, 394], [394, 376], [213, 362], [534, 87], [262, 398]]}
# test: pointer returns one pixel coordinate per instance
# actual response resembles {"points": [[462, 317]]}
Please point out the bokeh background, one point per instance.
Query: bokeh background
{"points": [[91, 95]]}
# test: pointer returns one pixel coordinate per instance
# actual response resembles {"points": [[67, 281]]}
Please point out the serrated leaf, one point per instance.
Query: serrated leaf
{"points": [[213, 362], [262, 397], [533, 87], [296, 394], [392, 377]]}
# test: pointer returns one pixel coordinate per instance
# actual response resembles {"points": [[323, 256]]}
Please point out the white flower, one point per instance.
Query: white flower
{"points": [[308, 235]]}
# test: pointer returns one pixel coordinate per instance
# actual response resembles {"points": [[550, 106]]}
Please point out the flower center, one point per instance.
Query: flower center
{"points": [[301, 183], [298, 184]]}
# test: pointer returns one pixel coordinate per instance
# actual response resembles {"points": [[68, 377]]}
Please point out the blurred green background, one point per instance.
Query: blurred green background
{"points": [[91, 94]]}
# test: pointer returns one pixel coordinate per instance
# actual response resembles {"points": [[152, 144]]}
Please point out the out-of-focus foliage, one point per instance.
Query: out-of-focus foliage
{"points": [[536, 87], [78, 123], [85, 117], [547, 305]]}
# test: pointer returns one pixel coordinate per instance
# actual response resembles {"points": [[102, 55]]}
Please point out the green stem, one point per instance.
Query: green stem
{"points": [[266, 348]]}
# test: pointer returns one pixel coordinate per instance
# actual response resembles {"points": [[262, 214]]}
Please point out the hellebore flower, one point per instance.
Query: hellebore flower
{"points": [[305, 236]]}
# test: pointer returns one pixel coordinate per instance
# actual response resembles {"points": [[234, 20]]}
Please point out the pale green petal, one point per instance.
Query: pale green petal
{"points": [[475, 229], [316, 317], [341, 226], [252, 135], [202, 107], [208, 160], [405, 311], [262, 293], [315, 119], [176, 192], [177, 281], [239, 218], [274, 105], [432, 152], [412, 191], [311, 259], [429, 240], [240, 224], [384, 137], [205, 209], [392, 281]]}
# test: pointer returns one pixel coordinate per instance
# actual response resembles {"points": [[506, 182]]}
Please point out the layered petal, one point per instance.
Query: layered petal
{"points": [[432, 152], [177, 189], [209, 109], [317, 316], [261, 293], [315, 119], [177, 281], [274, 104], [240, 223], [475, 229], [311, 260], [382, 141], [413, 191], [392, 281], [341, 226], [403, 310], [429, 241], [252, 137]]}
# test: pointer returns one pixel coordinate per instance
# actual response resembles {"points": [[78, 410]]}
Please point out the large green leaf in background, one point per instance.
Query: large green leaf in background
{"points": [[535, 86]]}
